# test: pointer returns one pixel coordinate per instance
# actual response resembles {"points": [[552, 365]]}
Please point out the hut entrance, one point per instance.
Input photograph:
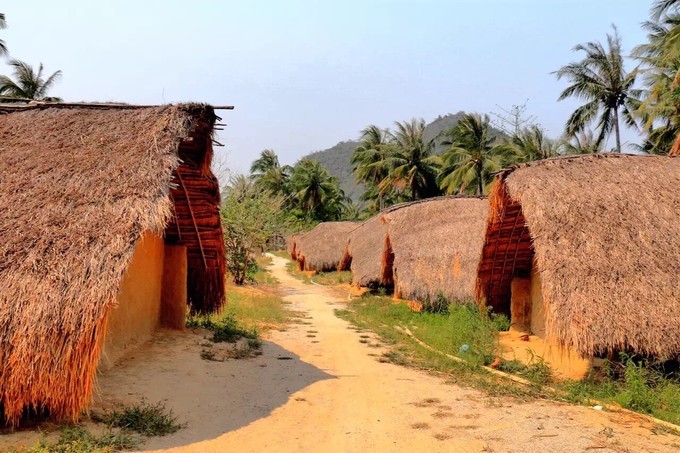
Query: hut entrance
{"points": [[527, 313], [387, 277]]}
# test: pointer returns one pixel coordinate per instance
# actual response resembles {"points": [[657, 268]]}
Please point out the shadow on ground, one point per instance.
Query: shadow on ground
{"points": [[212, 398]]}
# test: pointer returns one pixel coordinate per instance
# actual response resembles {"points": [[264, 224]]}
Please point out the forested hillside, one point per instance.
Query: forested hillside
{"points": [[337, 158]]}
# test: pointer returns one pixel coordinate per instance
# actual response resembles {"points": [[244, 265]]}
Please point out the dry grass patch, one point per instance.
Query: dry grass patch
{"points": [[421, 425]]}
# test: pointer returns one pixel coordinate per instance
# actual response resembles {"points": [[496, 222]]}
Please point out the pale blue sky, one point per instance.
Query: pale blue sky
{"points": [[305, 74]]}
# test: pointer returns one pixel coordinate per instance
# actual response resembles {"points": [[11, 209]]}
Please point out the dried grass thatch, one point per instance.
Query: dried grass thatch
{"points": [[291, 245], [78, 187], [604, 233], [365, 250], [422, 248], [437, 246], [322, 248]]}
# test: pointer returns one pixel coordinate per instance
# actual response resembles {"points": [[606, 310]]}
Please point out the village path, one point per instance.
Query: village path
{"points": [[340, 398]]}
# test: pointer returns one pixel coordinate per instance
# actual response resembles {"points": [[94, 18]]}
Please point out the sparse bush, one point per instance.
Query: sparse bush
{"points": [[226, 329], [80, 440], [147, 419]]}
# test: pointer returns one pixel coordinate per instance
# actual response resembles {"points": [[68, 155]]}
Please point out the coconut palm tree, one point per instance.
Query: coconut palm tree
{"points": [[583, 143], [411, 163], [28, 83], [660, 60], [531, 144], [473, 155], [602, 81], [240, 187], [3, 46], [316, 193], [370, 161], [269, 175]]}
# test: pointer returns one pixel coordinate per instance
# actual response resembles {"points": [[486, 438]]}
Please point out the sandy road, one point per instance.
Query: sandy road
{"points": [[318, 388]]}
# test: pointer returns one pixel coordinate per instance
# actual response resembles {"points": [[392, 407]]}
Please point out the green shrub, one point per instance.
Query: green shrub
{"points": [[638, 393], [80, 440], [226, 329], [144, 418]]}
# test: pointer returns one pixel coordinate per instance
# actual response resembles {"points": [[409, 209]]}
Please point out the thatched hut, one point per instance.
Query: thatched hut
{"points": [[365, 252], [322, 248], [422, 249], [436, 247], [585, 252], [109, 216]]}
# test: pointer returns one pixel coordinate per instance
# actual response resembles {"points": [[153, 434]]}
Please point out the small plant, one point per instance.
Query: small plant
{"points": [[226, 329], [639, 394], [382, 291], [440, 304], [147, 419], [394, 357], [80, 440], [469, 326], [538, 371], [500, 321]]}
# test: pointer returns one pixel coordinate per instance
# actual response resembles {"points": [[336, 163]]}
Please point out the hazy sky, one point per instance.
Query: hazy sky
{"points": [[306, 74]]}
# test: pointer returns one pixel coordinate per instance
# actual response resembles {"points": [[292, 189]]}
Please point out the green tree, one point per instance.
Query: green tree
{"points": [[3, 46], [660, 66], [249, 223], [268, 173], [473, 155], [531, 144], [315, 193], [583, 143], [602, 81], [411, 164], [28, 83], [370, 162], [241, 187]]}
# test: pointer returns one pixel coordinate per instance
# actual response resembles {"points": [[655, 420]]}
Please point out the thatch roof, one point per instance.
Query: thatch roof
{"points": [[604, 233], [437, 246], [78, 187], [322, 248], [291, 245], [423, 248], [365, 251]]}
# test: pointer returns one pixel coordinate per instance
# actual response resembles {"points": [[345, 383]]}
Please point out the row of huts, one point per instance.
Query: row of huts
{"points": [[582, 253]]}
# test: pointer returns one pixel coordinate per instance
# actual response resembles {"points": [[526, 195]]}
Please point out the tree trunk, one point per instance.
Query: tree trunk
{"points": [[618, 131], [480, 177]]}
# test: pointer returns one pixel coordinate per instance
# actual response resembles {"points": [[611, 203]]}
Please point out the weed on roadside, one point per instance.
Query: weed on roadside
{"points": [[144, 418], [225, 329], [78, 439]]}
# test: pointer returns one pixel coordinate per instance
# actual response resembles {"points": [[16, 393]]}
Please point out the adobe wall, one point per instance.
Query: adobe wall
{"points": [[137, 314]]}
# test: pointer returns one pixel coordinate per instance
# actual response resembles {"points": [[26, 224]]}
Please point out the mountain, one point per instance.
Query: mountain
{"points": [[337, 158]]}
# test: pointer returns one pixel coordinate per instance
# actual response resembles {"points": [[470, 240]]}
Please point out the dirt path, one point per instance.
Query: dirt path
{"points": [[318, 388]]}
